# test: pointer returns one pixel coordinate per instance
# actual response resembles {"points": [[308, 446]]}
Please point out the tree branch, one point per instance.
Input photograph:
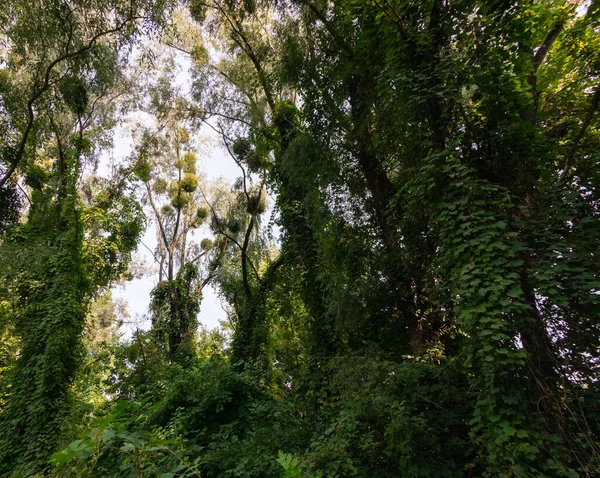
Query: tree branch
{"points": [[157, 215], [236, 162], [586, 122], [544, 48], [222, 231], [246, 47], [327, 24], [154, 256], [37, 93]]}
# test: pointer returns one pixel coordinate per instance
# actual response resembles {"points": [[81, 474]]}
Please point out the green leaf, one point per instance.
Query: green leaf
{"points": [[128, 447], [108, 434]]}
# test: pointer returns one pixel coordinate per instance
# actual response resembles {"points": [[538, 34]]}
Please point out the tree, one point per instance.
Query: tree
{"points": [[44, 42], [428, 302], [59, 79], [166, 163], [449, 161]]}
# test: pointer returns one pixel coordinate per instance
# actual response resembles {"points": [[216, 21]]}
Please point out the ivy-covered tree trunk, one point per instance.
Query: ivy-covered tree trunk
{"points": [[49, 299], [300, 239], [177, 303]]}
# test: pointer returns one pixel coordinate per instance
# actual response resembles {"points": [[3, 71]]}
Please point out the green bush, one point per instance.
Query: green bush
{"points": [[208, 420]]}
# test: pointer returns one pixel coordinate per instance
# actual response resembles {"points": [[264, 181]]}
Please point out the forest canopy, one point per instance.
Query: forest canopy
{"points": [[409, 259]]}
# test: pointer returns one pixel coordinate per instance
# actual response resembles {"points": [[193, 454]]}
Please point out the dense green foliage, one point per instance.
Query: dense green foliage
{"points": [[424, 300]]}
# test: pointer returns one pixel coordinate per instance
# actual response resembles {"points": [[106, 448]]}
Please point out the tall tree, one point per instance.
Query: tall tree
{"points": [[60, 75], [430, 124]]}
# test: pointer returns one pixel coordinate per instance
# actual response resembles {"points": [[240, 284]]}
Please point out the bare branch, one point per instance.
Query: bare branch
{"points": [[154, 256], [228, 236], [236, 162], [158, 217]]}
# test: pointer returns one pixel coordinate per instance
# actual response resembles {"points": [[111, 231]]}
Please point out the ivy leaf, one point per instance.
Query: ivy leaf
{"points": [[128, 447]]}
